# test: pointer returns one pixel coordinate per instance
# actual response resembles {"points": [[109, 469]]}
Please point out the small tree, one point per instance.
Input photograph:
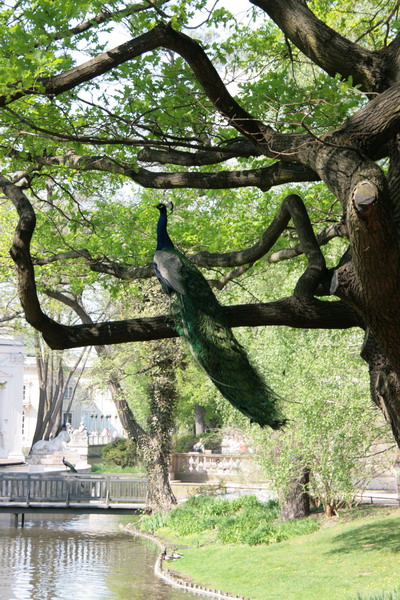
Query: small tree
{"points": [[322, 450]]}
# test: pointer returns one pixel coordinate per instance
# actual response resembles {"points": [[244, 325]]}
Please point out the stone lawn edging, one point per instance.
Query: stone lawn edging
{"points": [[173, 579]]}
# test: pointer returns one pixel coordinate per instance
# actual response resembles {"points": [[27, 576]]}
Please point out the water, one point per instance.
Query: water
{"points": [[85, 557]]}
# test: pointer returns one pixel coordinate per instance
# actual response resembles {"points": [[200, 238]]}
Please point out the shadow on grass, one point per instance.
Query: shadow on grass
{"points": [[372, 536]]}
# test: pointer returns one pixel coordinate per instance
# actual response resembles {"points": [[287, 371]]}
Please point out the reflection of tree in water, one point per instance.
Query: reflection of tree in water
{"points": [[71, 559]]}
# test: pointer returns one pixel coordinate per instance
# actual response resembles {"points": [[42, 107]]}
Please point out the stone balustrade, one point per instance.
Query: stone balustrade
{"points": [[196, 467]]}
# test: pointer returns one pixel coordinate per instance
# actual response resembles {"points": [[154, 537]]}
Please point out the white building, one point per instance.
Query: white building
{"points": [[11, 392], [91, 406]]}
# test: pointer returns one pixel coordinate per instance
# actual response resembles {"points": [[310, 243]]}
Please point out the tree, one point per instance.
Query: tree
{"points": [[54, 379], [285, 98], [332, 444], [154, 444]]}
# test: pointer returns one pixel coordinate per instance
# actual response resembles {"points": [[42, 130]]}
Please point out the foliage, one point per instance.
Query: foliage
{"points": [[317, 437], [240, 521], [185, 442], [194, 387], [121, 452], [53, 146]]}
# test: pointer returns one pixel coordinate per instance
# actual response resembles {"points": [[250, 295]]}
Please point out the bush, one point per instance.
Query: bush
{"points": [[185, 442], [121, 452], [240, 521]]}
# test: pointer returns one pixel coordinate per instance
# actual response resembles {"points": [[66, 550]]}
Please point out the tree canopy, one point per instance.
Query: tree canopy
{"points": [[277, 126]]}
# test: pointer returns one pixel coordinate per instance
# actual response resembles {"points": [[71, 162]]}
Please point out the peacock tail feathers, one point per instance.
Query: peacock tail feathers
{"points": [[199, 318]]}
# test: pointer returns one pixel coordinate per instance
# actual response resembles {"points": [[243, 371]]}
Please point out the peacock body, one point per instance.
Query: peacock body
{"points": [[199, 318]]}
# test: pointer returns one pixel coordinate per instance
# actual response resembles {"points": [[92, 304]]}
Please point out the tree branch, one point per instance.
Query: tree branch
{"points": [[305, 312], [105, 15], [292, 312], [323, 237], [324, 46], [263, 178], [231, 149]]}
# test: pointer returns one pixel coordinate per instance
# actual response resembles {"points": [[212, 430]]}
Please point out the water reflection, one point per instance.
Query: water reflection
{"points": [[80, 558]]}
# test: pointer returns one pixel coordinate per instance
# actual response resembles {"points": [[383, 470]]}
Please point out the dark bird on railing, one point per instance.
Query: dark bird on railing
{"points": [[198, 317], [68, 464]]}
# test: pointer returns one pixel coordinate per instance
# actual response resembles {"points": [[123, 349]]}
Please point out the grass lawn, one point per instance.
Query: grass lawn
{"points": [[346, 557]]}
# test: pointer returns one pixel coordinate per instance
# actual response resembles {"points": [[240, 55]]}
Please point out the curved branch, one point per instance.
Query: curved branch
{"points": [[324, 46], [20, 253], [305, 312], [263, 178], [234, 149], [161, 36], [105, 15], [291, 311], [292, 207], [323, 237]]}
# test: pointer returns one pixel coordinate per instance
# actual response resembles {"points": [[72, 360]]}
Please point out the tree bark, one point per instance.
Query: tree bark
{"points": [[199, 419], [297, 500], [157, 450]]}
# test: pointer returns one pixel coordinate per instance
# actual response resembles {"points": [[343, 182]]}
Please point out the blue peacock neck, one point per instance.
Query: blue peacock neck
{"points": [[163, 239]]}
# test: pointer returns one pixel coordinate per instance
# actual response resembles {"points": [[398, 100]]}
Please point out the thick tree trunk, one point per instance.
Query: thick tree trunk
{"points": [[157, 452], [160, 496], [384, 384], [330, 509], [154, 446], [199, 419], [297, 501]]}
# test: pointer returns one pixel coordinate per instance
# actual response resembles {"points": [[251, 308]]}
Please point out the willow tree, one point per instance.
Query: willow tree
{"points": [[286, 114]]}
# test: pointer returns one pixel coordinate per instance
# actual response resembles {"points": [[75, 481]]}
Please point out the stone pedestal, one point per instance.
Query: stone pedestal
{"points": [[53, 462], [75, 452]]}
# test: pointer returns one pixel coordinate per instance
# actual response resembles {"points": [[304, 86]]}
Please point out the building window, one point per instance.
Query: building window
{"points": [[67, 418], [68, 392], [23, 421]]}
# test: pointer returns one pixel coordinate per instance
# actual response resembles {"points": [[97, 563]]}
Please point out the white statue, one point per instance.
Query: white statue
{"points": [[49, 446], [3, 444], [81, 429]]}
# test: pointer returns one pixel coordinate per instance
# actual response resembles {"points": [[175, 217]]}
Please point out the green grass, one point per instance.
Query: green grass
{"points": [[353, 558], [110, 467], [395, 595]]}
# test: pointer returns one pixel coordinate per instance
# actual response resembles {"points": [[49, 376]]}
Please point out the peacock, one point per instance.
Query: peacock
{"points": [[199, 318]]}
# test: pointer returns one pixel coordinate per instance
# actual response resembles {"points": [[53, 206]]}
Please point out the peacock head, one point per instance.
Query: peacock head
{"points": [[163, 208]]}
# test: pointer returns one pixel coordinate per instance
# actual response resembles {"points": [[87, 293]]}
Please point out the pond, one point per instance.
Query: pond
{"points": [[85, 557]]}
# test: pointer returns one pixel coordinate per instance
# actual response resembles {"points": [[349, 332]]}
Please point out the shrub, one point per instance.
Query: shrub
{"points": [[121, 452], [185, 442], [153, 522], [241, 521]]}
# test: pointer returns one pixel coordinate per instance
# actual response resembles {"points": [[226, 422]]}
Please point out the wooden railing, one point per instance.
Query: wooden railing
{"points": [[29, 487]]}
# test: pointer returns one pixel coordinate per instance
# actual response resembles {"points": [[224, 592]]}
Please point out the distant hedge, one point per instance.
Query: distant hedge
{"points": [[121, 452]]}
